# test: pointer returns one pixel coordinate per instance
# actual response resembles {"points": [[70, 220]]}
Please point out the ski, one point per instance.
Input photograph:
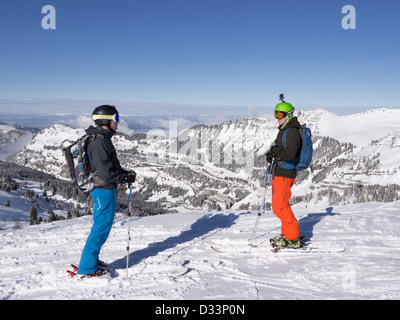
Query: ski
{"points": [[162, 271], [179, 273], [235, 249], [216, 249], [219, 250], [179, 270], [304, 249], [307, 249]]}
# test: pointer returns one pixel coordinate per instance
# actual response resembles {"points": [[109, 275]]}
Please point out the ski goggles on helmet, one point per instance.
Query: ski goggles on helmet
{"points": [[282, 114], [114, 117]]}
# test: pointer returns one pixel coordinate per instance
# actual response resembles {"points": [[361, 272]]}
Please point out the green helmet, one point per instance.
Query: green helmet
{"points": [[284, 109]]}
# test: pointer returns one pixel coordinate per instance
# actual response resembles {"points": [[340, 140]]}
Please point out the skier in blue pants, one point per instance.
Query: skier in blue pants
{"points": [[104, 205], [107, 173]]}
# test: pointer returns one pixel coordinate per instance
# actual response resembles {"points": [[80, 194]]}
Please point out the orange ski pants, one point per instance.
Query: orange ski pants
{"points": [[281, 193]]}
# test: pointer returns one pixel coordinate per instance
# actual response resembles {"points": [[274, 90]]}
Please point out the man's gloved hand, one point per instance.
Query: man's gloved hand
{"points": [[130, 176], [270, 155]]}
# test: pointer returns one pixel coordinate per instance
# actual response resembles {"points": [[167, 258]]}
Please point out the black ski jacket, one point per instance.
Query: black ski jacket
{"points": [[292, 150], [104, 164]]}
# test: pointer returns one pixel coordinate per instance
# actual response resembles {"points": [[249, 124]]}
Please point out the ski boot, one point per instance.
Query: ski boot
{"points": [[103, 265], [283, 243], [277, 238]]}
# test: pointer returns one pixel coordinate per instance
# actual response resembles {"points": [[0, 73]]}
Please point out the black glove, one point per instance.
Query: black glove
{"points": [[270, 155], [130, 176]]}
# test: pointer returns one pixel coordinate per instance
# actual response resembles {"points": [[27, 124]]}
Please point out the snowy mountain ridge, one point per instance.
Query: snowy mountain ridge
{"points": [[223, 165], [361, 128]]}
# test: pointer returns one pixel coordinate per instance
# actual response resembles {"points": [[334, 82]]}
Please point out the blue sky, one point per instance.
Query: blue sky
{"points": [[195, 53]]}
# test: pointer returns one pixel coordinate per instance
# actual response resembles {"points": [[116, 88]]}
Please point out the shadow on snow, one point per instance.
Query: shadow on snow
{"points": [[308, 223], [199, 228]]}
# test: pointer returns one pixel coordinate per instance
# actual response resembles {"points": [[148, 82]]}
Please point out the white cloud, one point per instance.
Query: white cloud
{"points": [[123, 128]]}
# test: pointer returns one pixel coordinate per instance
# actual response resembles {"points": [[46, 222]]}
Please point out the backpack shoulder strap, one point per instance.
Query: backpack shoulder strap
{"points": [[284, 137], [285, 132], [92, 137]]}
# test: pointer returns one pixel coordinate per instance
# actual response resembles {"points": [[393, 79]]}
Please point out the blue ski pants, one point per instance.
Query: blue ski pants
{"points": [[104, 205]]}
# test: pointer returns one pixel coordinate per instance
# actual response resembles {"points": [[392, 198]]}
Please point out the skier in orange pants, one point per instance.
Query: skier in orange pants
{"points": [[281, 153], [281, 193]]}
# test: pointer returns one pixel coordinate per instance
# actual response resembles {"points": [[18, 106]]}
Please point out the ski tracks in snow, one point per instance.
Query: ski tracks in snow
{"points": [[34, 260]]}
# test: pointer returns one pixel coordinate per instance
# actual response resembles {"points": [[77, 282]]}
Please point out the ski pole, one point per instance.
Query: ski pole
{"points": [[129, 228], [262, 205]]}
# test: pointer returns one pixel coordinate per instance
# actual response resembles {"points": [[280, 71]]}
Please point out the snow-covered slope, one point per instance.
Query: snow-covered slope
{"points": [[15, 205], [359, 129], [34, 260]]}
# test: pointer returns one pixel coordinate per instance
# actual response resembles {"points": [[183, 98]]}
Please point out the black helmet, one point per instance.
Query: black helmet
{"points": [[103, 114]]}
